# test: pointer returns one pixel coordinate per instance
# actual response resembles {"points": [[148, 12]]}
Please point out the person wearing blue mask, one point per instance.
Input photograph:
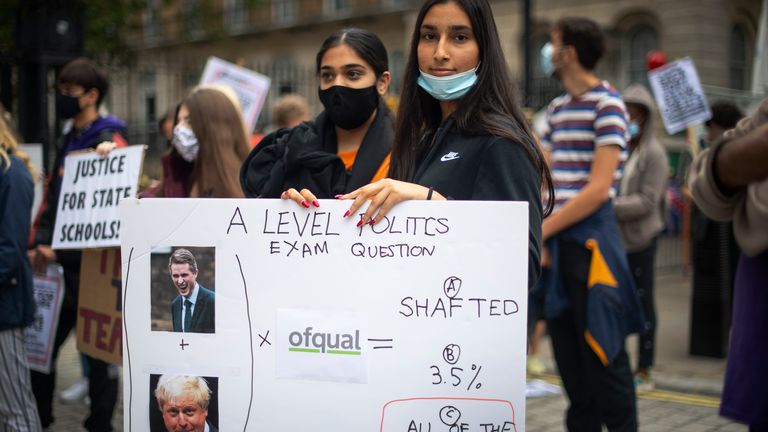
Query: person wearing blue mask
{"points": [[640, 209], [460, 134], [348, 145]]}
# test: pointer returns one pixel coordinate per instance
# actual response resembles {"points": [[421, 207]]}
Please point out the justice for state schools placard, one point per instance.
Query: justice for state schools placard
{"points": [[91, 190], [303, 321]]}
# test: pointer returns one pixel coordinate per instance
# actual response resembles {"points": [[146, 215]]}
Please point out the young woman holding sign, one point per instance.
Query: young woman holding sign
{"points": [[459, 134], [347, 145]]}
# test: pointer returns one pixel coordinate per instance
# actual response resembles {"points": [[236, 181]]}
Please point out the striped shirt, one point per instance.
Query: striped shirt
{"points": [[575, 127]]}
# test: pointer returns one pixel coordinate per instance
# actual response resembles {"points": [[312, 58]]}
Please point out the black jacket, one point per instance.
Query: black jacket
{"points": [[17, 305], [305, 157], [489, 168]]}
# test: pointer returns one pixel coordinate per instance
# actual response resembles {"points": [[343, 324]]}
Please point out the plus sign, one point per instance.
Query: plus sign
{"points": [[182, 344]]}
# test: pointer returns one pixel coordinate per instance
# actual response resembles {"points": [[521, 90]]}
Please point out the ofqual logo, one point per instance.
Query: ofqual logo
{"points": [[325, 343]]}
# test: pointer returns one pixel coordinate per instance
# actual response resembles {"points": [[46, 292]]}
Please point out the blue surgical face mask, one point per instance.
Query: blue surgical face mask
{"points": [[449, 87], [546, 59], [634, 129]]}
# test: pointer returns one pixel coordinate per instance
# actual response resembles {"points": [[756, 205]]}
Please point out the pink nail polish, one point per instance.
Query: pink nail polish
{"points": [[338, 196], [315, 203], [304, 203], [359, 224], [345, 214]]}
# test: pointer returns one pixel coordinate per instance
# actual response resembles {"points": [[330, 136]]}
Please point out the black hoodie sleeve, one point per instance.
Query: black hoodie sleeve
{"points": [[507, 173]]}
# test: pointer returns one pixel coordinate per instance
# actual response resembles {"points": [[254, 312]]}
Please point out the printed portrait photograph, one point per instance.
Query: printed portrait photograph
{"points": [[183, 403], [183, 292]]}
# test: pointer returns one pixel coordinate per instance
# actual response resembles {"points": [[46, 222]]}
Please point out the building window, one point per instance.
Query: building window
{"points": [[192, 17], [639, 41], [283, 10], [152, 21], [739, 59], [336, 6], [235, 15]]}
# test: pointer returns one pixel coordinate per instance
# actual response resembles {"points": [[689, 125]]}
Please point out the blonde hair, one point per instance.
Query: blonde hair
{"points": [[290, 108], [10, 146], [172, 387]]}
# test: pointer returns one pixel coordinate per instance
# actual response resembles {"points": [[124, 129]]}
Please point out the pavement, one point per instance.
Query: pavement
{"points": [[686, 397]]}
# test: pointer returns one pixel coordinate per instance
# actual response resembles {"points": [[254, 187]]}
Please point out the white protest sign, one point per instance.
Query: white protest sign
{"points": [[40, 335], [91, 190], [678, 93], [251, 87], [417, 323], [35, 153]]}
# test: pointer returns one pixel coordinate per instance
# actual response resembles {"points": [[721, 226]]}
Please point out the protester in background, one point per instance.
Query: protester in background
{"points": [[640, 209], [290, 110], [460, 133], [18, 410], [714, 250], [165, 127], [81, 87], [590, 300], [347, 145], [729, 182], [209, 145]]}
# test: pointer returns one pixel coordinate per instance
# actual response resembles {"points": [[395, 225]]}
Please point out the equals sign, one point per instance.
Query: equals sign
{"points": [[381, 343]]}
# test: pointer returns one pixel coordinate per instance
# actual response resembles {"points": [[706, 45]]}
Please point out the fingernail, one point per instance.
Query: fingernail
{"points": [[284, 192], [359, 224], [315, 203], [338, 196], [345, 214], [372, 222], [304, 203]]}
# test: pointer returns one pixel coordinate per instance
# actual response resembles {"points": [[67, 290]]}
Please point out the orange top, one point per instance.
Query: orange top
{"points": [[349, 159]]}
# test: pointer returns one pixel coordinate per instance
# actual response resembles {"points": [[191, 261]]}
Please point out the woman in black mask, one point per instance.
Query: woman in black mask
{"points": [[347, 146]]}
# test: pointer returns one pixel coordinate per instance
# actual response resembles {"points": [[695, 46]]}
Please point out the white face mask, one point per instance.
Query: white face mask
{"points": [[185, 142]]}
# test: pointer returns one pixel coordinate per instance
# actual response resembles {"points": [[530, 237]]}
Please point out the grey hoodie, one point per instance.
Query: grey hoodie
{"points": [[641, 204]]}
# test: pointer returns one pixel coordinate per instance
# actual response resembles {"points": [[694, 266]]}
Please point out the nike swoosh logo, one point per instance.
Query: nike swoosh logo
{"points": [[449, 156]]}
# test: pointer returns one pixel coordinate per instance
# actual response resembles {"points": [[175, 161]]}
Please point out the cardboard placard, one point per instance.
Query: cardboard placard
{"points": [[99, 308]]}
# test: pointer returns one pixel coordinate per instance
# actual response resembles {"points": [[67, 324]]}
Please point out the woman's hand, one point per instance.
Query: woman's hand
{"points": [[384, 194], [40, 257], [105, 147], [302, 198]]}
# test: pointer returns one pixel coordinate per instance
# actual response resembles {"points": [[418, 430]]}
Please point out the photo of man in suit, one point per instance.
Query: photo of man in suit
{"points": [[193, 310], [184, 401]]}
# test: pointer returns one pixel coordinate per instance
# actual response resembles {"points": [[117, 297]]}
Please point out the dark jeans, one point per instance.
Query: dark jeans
{"points": [[641, 264], [102, 378], [598, 394]]}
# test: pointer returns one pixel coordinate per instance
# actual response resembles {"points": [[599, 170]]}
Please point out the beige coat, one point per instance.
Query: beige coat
{"points": [[641, 205], [748, 209]]}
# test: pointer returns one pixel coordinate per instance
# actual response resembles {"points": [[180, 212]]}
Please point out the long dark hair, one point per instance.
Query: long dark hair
{"points": [[365, 43], [490, 107]]}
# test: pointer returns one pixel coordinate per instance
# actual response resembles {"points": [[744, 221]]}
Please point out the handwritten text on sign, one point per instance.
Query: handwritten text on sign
{"points": [[417, 322], [91, 190], [679, 95]]}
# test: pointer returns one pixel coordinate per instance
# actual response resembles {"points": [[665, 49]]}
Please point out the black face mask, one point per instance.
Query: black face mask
{"points": [[349, 108], [67, 106]]}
